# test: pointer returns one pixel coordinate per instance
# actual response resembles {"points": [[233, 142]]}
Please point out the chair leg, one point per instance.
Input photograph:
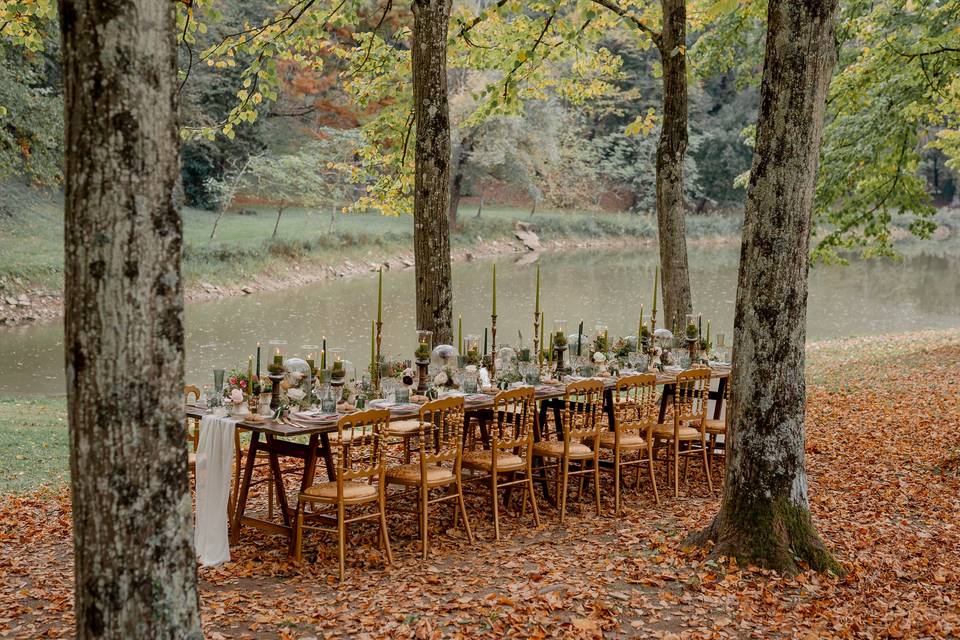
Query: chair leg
{"points": [[653, 476], [463, 510], [496, 505], [616, 481], [383, 526], [424, 523], [676, 468], [341, 538], [596, 483], [298, 533], [706, 464], [563, 488], [533, 500]]}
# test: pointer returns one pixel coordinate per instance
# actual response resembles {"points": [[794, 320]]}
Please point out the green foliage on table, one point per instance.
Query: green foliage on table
{"points": [[601, 344]]}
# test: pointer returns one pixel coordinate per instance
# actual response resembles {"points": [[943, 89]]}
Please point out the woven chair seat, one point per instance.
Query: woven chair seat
{"points": [[483, 460], [409, 475], [348, 436], [352, 492], [403, 428], [628, 440], [665, 431], [716, 426], [554, 449]]}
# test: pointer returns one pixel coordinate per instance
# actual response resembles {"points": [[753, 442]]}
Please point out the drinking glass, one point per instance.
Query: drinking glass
{"points": [[402, 394]]}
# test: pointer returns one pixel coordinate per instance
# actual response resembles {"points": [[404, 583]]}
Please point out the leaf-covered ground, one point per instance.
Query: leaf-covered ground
{"points": [[883, 459]]}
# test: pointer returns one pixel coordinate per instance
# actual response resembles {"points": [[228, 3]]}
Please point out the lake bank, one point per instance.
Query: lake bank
{"points": [[244, 257]]}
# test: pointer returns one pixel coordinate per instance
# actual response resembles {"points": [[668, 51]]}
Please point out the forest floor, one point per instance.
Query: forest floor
{"points": [[883, 459]]}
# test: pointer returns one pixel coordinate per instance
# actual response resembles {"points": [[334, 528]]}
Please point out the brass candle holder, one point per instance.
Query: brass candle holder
{"points": [[275, 380], [493, 342]]}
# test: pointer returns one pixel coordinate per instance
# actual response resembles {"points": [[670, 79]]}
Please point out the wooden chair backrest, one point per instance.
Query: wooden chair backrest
{"points": [[193, 425], [690, 396], [582, 403], [441, 430], [362, 455], [635, 402], [514, 412]]}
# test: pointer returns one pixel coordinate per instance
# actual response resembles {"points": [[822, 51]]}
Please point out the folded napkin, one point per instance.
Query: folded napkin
{"points": [[214, 460], [314, 416]]}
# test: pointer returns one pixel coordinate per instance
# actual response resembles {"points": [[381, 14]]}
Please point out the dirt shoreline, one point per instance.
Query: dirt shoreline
{"points": [[45, 306]]}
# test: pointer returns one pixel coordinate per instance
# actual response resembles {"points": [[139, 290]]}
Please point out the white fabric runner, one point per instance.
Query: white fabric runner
{"points": [[214, 462]]}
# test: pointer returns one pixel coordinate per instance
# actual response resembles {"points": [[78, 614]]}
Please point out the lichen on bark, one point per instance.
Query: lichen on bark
{"points": [[764, 517]]}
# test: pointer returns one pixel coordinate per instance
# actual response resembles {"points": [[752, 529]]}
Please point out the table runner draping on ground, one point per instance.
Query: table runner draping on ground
{"points": [[214, 462]]}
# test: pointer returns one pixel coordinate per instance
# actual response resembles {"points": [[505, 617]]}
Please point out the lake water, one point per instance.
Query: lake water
{"points": [[919, 292]]}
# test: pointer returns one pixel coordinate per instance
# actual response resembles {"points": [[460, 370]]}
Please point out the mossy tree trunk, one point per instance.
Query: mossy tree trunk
{"points": [[671, 148], [134, 561], [764, 518], [431, 200]]}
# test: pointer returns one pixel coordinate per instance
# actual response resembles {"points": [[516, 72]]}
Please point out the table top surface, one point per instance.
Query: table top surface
{"points": [[472, 402]]}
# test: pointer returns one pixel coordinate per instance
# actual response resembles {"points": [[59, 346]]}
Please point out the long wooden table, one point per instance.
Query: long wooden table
{"points": [[276, 441]]}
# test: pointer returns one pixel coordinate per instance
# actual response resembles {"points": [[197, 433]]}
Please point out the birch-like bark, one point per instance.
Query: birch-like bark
{"points": [[431, 200], [669, 166], [135, 568], [764, 518]]}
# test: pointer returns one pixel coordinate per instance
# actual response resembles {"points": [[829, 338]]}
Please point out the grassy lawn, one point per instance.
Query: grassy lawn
{"points": [[34, 448]]}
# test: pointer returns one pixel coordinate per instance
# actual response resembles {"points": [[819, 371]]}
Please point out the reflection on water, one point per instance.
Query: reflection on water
{"points": [[920, 292]]}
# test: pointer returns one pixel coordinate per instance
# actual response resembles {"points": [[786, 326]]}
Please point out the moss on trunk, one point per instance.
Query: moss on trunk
{"points": [[773, 534]]}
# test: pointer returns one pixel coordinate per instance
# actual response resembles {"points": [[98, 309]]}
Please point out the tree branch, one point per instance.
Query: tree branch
{"points": [[627, 15]]}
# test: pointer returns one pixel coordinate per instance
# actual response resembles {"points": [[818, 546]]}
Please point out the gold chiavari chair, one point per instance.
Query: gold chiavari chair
{"points": [[716, 428], [440, 454], [511, 441], [360, 480], [579, 422], [689, 418], [635, 409]]}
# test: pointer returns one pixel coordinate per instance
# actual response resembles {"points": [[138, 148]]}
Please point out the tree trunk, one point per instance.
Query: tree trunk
{"points": [[135, 567], [456, 186], [480, 206], [670, 149], [764, 518], [431, 201], [216, 221], [276, 225]]}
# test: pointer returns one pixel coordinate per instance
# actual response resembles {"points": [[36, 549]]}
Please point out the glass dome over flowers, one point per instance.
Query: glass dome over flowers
{"points": [[443, 355]]}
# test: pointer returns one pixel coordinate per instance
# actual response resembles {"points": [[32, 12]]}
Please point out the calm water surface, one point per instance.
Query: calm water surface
{"points": [[920, 292]]}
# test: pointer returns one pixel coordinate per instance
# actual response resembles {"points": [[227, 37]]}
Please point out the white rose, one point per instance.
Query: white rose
{"points": [[598, 357], [296, 394], [440, 379], [236, 396]]}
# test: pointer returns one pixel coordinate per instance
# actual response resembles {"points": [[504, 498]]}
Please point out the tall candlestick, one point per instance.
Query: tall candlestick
{"points": [[640, 327], [323, 354], [580, 338], [250, 375], [494, 289], [537, 307], [656, 284], [380, 297], [699, 326], [258, 361], [543, 345], [460, 335], [708, 334], [373, 353], [484, 341]]}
